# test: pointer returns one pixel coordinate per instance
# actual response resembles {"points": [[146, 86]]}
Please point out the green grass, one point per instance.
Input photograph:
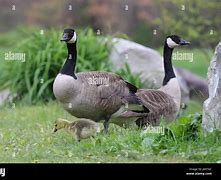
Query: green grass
{"points": [[200, 63], [192, 107], [26, 136]]}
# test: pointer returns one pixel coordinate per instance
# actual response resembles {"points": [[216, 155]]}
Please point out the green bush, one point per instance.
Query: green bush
{"points": [[197, 21], [185, 130], [32, 80], [126, 74]]}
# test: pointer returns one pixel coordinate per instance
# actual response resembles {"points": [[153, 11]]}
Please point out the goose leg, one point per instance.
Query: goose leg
{"points": [[106, 124], [78, 135]]}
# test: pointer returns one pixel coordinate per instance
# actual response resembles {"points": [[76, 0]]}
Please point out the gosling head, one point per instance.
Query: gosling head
{"points": [[69, 36], [173, 41], [60, 124]]}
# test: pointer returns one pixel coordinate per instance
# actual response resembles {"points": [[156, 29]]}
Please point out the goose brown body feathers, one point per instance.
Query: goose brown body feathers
{"points": [[159, 104], [85, 99]]}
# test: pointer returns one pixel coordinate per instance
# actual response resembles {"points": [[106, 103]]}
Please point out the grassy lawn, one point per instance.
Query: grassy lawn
{"points": [[26, 136]]}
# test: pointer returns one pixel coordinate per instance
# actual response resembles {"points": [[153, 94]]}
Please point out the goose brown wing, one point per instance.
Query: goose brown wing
{"points": [[158, 103], [110, 85], [155, 100]]}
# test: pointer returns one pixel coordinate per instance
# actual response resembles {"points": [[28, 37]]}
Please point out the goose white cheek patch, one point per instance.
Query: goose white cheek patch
{"points": [[73, 39], [171, 43]]}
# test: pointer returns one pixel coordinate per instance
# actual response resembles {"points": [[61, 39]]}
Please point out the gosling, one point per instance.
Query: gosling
{"points": [[80, 129]]}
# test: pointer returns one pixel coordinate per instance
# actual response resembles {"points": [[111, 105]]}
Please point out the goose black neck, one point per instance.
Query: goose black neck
{"points": [[70, 63], [168, 68]]}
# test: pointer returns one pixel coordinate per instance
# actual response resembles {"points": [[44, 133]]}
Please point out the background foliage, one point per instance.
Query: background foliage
{"points": [[198, 20], [193, 20]]}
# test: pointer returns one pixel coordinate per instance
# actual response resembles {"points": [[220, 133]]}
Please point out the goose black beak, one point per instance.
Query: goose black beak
{"points": [[64, 37], [184, 42], [54, 130]]}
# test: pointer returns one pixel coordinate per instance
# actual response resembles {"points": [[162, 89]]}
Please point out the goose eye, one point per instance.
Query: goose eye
{"points": [[70, 35]]}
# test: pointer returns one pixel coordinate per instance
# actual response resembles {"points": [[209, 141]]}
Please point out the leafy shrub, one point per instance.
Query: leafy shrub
{"points": [[126, 74], [185, 129], [197, 21], [32, 80]]}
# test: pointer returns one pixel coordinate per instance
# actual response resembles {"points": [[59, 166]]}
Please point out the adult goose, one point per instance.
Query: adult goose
{"points": [[93, 95], [163, 102]]}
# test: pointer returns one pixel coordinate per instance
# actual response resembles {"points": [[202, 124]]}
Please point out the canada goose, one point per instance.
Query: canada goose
{"points": [[92, 95], [163, 102], [80, 129], [166, 100]]}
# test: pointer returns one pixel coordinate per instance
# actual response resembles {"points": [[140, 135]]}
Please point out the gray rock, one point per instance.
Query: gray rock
{"points": [[148, 63], [212, 106], [142, 60], [4, 96]]}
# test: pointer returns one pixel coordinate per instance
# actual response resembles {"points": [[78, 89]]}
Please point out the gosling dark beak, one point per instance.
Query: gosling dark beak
{"points": [[54, 130], [64, 37], [184, 42]]}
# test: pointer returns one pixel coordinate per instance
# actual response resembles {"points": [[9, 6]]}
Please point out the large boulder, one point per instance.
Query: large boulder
{"points": [[212, 106], [148, 63], [142, 60]]}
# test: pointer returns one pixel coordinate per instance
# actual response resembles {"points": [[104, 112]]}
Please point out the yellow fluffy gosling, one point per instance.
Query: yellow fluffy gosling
{"points": [[80, 129]]}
